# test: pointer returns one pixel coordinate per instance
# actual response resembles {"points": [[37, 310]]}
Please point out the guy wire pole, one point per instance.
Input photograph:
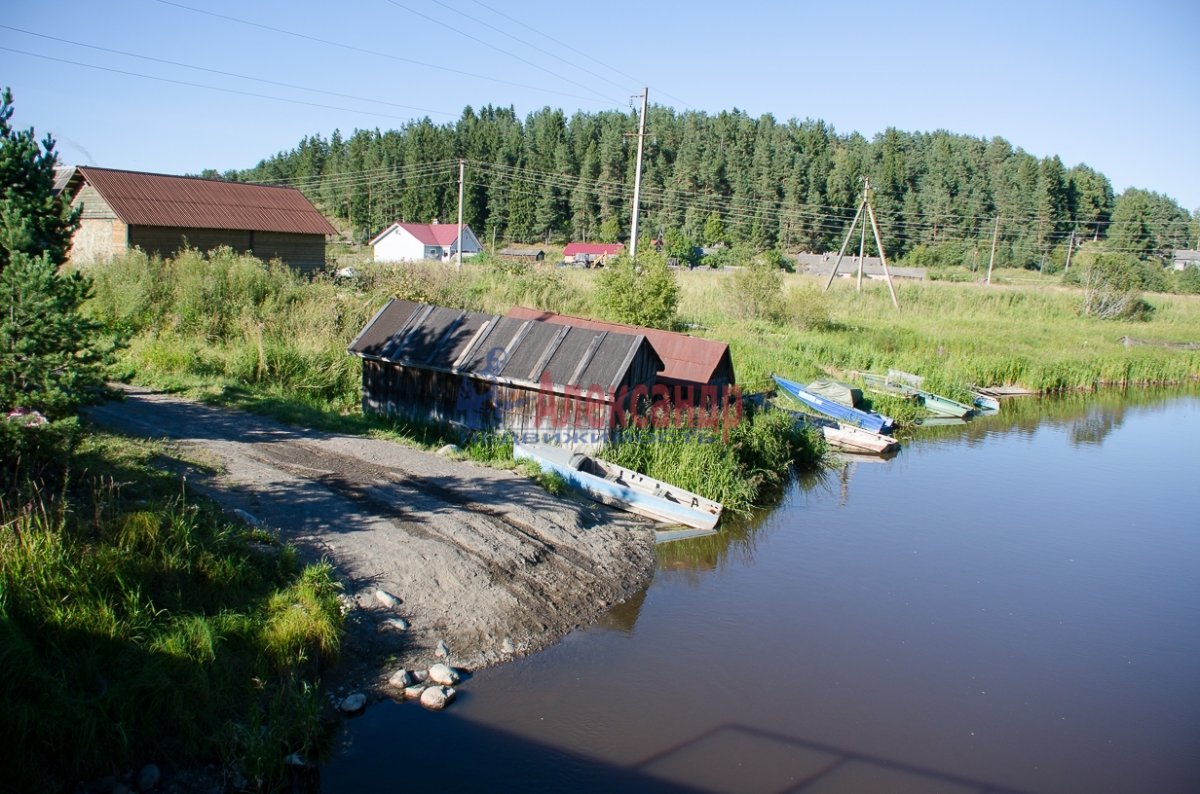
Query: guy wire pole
{"points": [[846, 242], [879, 244], [458, 257], [637, 178], [862, 246]]}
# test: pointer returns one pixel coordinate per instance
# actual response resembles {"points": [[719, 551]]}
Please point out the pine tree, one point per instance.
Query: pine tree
{"points": [[49, 359]]}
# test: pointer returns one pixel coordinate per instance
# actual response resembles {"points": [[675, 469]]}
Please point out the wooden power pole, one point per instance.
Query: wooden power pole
{"points": [[637, 178], [992, 258], [458, 257]]}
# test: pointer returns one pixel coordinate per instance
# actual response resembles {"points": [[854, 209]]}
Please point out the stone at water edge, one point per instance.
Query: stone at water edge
{"points": [[436, 698], [508, 647], [413, 692], [449, 450], [401, 679], [353, 704], [387, 599], [398, 624], [444, 674]]}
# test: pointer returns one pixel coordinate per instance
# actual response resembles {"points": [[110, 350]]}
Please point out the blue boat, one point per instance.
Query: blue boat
{"points": [[623, 488], [874, 422]]}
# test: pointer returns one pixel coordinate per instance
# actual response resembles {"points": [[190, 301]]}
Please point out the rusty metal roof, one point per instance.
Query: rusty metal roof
{"points": [[502, 349], [686, 359], [141, 199]]}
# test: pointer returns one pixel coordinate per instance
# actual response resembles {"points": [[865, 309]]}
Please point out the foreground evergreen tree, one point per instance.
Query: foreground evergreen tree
{"points": [[49, 357]]}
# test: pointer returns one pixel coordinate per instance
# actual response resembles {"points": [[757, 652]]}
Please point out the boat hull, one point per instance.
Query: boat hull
{"points": [[624, 488], [868, 421]]}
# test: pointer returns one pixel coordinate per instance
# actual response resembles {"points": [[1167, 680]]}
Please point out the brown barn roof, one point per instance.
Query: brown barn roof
{"points": [[687, 359], [424, 336], [141, 199]]}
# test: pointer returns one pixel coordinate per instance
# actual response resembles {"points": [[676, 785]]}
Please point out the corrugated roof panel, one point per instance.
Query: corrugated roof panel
{"points": [[424, 344], [522, 359], [569, 355], [374, 338], [488, 355], [606, 366], [685, 358], [141, 199]]}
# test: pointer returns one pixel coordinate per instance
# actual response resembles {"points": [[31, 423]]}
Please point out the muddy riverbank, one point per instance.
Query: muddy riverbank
{"points": [[483, 560]]}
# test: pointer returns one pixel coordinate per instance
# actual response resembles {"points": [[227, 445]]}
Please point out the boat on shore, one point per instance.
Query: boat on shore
{"points": [[875, 423], [849, 438], [934, 403], [623, 488]]}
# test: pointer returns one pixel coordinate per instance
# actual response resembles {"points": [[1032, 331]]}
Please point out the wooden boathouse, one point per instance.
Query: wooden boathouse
{"points": [[555, 383], [690, 363]]}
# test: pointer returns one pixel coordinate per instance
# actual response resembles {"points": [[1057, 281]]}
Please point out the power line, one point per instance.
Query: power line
{"points": [[226, 74], [501, 50], [376, 53], [201, 85], [559, 42], [531, 45]]}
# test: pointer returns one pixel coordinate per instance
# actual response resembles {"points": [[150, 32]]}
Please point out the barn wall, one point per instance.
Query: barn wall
{"points": [[579, 421], [305, 252], [98, 240]]}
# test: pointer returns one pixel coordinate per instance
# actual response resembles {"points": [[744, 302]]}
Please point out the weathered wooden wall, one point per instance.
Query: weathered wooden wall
{"points": [[305, 252]]}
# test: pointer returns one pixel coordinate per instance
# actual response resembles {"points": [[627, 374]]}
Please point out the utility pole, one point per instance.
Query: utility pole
{"points": [[862, 245], [637, 178], [458, 258], [992, 258], [1070, 245], [865, 204]]}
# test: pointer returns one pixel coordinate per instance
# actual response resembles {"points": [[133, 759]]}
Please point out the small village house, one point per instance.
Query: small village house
{"points": [[162, 214], [478, 372], [524, 254], [591, 254], [417, 242], [1185, 258]]}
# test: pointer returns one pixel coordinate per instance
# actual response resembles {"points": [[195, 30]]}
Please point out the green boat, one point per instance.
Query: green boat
{"points": [[934, 403]]}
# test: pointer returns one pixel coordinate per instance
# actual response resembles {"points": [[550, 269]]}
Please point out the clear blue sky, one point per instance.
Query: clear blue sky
{"points": [[1113, 85]]}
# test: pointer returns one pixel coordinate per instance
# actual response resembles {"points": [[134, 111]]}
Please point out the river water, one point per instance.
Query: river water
{"points": [[1008, 605]]}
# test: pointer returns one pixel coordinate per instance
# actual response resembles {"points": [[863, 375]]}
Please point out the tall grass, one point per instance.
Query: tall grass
{"points": [[136, 624]]}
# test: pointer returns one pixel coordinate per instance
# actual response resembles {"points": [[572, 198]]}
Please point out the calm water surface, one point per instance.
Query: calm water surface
{"points": [[1010, 605]]}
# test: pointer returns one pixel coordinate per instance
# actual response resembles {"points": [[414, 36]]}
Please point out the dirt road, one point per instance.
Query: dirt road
{"points": [[483, 559]]}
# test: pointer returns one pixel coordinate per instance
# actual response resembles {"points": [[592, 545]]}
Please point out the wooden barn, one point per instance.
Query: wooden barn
{"points": [[690, 363], [539, 381], [160, 214]]}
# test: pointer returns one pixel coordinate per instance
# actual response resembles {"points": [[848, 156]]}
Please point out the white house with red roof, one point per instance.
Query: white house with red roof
{"points": [[415, 242]]}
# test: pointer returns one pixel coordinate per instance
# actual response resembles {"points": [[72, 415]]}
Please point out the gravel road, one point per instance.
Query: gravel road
{"points": [[483, 559]]}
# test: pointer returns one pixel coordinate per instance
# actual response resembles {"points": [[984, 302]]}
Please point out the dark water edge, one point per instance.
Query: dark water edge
{"points": [[1009, 605]]}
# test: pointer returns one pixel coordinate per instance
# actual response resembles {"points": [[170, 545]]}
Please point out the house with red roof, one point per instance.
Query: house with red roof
{"points": [[591, 253], [417, 242], [161, 213]]}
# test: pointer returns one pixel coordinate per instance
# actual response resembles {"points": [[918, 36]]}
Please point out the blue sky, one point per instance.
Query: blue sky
{"points": [[1111, 85]]}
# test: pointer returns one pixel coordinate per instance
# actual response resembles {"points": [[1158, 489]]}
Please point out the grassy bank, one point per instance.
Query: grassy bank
{"points": [[228, 328], [137, 625]]}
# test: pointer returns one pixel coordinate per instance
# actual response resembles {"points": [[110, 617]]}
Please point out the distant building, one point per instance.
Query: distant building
{"points": [[591, 253], [525, 254], [822, 265], [416, 242], [1185, 258], [161, 214]]}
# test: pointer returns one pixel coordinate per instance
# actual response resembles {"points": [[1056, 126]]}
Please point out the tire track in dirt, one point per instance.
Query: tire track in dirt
{"points": [[484, 559]]}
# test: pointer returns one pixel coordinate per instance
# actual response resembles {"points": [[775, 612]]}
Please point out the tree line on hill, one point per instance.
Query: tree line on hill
{"points": [[726, 177]]}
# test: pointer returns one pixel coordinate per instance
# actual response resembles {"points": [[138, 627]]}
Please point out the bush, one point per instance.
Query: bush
{"points": [[1112, 288], [644, 292], [757, 290]]}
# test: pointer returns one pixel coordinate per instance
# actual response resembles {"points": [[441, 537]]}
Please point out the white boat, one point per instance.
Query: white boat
{"points": [[623, 488], [849, 438]]}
